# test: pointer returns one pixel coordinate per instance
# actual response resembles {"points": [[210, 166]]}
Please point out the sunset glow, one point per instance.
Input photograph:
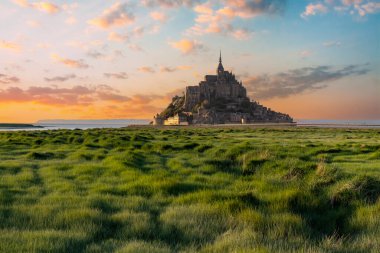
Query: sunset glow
{"points": [[317, 59]]}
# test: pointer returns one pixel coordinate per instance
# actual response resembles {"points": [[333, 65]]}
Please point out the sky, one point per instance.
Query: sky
{"points": [[312, 59]]}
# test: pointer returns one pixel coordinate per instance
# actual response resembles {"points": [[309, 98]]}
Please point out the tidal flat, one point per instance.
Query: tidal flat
{"points": [[190, 190]]}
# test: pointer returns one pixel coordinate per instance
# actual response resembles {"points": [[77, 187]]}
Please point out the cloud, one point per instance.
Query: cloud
{"points": [[116, 15], [85, 102], [368, 8], [85, 45], [10, 46], [6, 79], [169, 3], [174, 69], [305, 54], [77, 95], [71, 20], [298, 81], [332, 44], [22, 3], [158, 16], [252, 8], [146, 69], [352, 7], [69, 62], [218, 21], [95, 54], [107, 93], [60, 78], [69, 8], [113, 36], [120, 75], [350, 2], [46, 7], [33, 23], [41, 6], [313, 9], [135, 47], [217, 18], [187, 46], [241, 34]]}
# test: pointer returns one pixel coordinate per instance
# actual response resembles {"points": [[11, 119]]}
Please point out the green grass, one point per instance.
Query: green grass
{"points": [[190, 190]]}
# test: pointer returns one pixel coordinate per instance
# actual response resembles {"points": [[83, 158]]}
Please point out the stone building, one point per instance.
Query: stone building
{"points": [[177, 120], [214, 87], [218, 99]]}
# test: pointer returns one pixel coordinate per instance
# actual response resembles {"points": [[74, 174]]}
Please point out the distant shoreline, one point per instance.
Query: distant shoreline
{"points": [[18, 126]]}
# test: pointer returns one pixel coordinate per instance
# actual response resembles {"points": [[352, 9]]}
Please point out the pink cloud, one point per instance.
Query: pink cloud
{"points": [[168, 3], [313, 9], [69, 62], [173, 69], [6, 79], [120, 75], [116, 15], [218, 21]]}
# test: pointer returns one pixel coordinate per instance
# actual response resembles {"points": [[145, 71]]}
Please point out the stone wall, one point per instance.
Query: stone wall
{"points": [[192, 97]]}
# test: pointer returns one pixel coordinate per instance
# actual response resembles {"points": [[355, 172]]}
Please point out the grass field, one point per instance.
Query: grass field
{"points": [[190, 190]]}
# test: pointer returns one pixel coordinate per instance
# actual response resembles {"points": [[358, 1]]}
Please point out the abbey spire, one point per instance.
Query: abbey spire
{"points": [[220, 70]]}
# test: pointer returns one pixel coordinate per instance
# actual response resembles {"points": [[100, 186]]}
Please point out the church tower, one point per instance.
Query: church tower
{"points": [[220, 70]]}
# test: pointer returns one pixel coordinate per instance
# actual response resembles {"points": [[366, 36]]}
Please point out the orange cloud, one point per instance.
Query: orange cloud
{"points": [[146, 69], [116, 15], [227, 11], [22, 3], [113, 36], [77, 95], [10, 46], [79, 102], [46, 7], [204, 9], [158, 16], [69, 62], [186, 46], [41, 6]]}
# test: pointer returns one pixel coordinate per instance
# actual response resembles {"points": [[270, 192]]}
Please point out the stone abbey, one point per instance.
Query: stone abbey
{"points": [[218, 99]]}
